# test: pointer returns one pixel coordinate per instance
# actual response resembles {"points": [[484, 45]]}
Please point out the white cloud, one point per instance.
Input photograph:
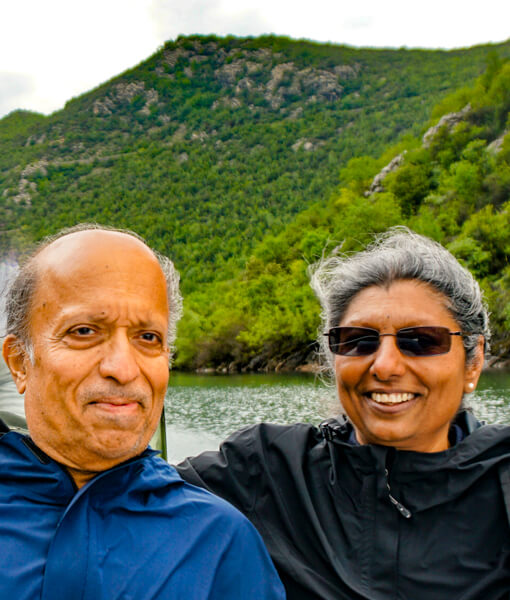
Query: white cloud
{"points": [[66, 48], [16, 91], [174, 17]]}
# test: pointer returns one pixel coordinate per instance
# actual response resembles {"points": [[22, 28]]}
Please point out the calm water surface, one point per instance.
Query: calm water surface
{"points": [[201, 410]]}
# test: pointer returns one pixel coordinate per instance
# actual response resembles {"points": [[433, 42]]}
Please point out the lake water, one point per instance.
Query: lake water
{"points": [[201, 410]]}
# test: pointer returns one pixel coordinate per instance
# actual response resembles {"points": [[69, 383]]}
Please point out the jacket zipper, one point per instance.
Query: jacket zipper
{"points": [[405, 512]]}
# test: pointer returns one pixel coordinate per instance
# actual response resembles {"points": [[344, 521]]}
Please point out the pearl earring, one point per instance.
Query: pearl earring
{"points": [[471, 385]]}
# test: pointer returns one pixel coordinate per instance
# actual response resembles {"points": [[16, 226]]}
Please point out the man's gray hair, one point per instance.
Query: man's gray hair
{"points": [[20, 292], [394, 255]]}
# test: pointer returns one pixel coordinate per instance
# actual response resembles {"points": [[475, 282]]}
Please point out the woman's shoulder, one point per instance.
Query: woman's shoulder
{"points": [[482, 436], [266, 434], [247, 457]]}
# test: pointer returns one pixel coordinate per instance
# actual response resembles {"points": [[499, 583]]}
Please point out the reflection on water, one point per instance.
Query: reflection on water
{"points": [[219, 404], [201, 410], [491, 401]]}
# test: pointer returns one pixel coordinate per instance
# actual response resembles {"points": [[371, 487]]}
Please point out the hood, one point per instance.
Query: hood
{"points": [[423, 480]]}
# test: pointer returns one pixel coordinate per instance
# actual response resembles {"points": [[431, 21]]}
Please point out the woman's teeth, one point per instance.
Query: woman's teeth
{"points": [[391, 398]]}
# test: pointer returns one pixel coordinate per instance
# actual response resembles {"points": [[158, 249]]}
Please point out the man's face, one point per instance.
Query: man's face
{"points": [[98, 324]]}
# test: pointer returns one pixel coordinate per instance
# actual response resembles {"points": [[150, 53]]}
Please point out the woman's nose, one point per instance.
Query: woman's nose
{"points": [[388, 360]]}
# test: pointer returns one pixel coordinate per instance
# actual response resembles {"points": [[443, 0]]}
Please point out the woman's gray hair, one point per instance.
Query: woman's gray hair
{"points": [[20, 292], [394, 255]]}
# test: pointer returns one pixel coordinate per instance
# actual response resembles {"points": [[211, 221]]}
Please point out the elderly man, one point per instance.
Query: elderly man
{"points": [[86, 510]]}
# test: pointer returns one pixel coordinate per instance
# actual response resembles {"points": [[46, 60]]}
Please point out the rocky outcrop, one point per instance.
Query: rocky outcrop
{"points": [[151, 97], [123, 93], [277, 75], [228, 102], [347, 71], [377, 183], [307, 145], [170, 57], [38, 167], [321, 83], [243, 71], [25, 186], [229, 73], [449, 121], [34, 139], [305, 361], [496, 145], [236, 69]]}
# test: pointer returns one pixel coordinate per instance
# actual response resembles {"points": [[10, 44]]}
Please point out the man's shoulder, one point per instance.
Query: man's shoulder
{"points": [[167, 490]]}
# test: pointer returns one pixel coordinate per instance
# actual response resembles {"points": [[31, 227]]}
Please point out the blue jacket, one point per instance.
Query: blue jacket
{"points": [[135, 532]]}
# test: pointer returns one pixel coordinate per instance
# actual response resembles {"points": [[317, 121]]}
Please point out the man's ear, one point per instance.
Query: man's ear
{"points": [[15, 358], [474, 368]]}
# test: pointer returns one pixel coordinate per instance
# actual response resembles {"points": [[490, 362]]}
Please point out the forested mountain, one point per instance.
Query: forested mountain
{"points": [[227, 154], [452, 184]]}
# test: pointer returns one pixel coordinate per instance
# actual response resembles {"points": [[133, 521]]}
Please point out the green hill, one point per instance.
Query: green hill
{"points": [[453, 185], [215, 148]]}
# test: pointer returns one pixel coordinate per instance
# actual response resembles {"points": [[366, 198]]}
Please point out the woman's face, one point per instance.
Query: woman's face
{"points": [[426, 391]]}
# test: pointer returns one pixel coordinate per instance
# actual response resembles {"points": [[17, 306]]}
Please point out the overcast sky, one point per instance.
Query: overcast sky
{"points": [[52, 50]]}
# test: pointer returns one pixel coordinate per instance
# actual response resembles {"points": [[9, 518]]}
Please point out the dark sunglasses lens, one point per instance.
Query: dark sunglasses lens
{"points": [[353, 341], [412, 341], [424, 341]]}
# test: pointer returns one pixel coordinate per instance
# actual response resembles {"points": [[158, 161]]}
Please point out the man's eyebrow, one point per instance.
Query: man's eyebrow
{"points": [[77, 315], [100, 317]]}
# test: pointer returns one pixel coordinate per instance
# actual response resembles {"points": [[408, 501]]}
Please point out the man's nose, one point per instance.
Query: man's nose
{"points": [[119, 361], [388, 360]]}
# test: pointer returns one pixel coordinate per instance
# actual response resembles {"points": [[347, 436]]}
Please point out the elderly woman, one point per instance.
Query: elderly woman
{"points": [[407, 496]]}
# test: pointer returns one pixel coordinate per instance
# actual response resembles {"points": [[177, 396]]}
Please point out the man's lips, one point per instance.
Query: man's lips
{"points": [[114, 406], [114, 401]]}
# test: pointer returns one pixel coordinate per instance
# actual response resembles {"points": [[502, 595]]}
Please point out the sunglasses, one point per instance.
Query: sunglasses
{"points": [[411, 341]]}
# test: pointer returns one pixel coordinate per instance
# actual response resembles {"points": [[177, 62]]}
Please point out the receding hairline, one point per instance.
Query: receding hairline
{"points": [[47, 256], [73, 239], [46, 261]]}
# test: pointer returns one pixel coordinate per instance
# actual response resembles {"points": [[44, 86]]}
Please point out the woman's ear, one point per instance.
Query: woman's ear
{"points": [[475, 366], [15, 358]]}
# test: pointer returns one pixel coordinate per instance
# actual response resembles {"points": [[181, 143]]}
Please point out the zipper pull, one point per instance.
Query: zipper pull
{"points": [[405, 512]]}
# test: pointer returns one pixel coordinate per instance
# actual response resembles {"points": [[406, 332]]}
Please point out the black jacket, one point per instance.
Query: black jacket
{"points": [[343, 521]]}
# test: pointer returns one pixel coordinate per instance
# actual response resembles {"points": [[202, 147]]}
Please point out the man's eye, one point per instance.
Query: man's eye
{"points": [[82, 331], [150, 337]]}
